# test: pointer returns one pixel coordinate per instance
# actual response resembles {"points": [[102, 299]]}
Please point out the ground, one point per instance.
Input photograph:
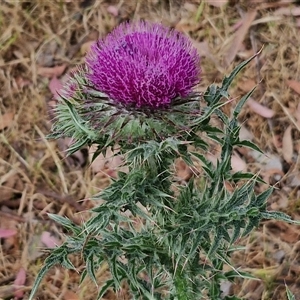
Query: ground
{"points": [[42, 40]]}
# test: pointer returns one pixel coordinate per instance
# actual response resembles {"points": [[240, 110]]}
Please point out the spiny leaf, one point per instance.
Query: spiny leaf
{"points": [[289, 293], [90, 268], [241, 103], [253, 222], [228, 80], [65, 222], [244, 176], [83, 276], [66, 263], [277, 215], [109, 283], [248, 144], [78, 121], [230, 275], [207, 164], [262, 198], [217, 241], [78, 144], [38, 280]]}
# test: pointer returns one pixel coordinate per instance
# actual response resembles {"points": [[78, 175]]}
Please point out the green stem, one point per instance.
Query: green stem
{"points": [[181, 286]]}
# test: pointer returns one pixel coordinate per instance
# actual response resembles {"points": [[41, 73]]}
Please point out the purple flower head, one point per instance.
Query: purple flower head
{"points": [[144, 65]]}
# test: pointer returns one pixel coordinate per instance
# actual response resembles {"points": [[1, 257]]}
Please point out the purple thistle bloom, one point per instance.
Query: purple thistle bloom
{"points": [[144, 65]]}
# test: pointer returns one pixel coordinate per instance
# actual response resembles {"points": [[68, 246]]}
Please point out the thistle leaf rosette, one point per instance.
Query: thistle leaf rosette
{"points": [[136, 84]]}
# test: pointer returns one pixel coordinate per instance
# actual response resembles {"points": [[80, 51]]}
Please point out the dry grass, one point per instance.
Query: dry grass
{"points": [[36, 178]]}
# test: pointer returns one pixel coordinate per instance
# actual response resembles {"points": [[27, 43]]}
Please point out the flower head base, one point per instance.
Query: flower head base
{"points": [[144, 65]]}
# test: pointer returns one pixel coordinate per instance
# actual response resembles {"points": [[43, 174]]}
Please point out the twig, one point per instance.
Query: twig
{"points": [[62, 199]]}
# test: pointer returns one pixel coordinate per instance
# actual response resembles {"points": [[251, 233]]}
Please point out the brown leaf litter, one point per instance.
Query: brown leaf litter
{"points": [[43, 41]]}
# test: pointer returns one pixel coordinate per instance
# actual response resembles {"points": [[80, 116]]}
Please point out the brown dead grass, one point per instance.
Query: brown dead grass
{"points": [[36, 178]]}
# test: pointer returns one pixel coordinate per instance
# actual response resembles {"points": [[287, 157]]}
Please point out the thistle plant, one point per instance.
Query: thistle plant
{"points": [[137, 93]]}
